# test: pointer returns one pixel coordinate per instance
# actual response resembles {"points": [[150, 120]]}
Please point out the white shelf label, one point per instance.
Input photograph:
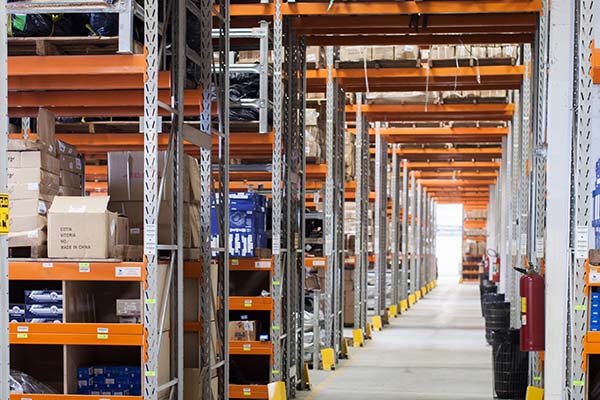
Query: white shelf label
{"points": [[319, 263], [276, 244], [539, 247], [84, 267], [47, 265], [523, 243], [128, 272], [262, 264], [23, 329], [581, 242], [594, 276]]}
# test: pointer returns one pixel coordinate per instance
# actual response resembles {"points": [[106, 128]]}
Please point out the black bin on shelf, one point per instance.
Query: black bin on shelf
{"points": [[511, 365], [497, 315]]}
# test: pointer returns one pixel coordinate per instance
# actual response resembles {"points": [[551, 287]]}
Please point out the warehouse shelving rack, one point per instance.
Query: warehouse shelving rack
{"points": [[145, 72]]}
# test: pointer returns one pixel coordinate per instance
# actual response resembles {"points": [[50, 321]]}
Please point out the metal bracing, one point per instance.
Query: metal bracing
{"points": [[581, 193], [505, 221], [395, 227], [405, 251], [380, 242], [4, 300], [361, 205], [339, 250], [412, 245]]}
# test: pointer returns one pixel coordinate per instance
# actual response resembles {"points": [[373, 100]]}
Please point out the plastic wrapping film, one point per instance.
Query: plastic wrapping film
{"points": [[21, 383]]}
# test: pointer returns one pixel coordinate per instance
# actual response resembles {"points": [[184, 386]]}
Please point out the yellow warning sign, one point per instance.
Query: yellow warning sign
{"points": [[4, 216]]}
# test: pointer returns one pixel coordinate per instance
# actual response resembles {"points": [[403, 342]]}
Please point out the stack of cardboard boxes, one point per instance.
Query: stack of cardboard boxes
{"points": [[126, 190], [37, 172]]}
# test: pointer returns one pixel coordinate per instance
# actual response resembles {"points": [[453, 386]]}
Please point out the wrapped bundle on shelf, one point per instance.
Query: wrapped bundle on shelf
{"points": [[406, 52], [349, 156], [403, 98], [381, 53], [355, 53]]}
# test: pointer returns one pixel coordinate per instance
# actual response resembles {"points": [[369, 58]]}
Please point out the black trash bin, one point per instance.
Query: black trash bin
{"points": [[497, 317], [511, 365], [485, 288]]}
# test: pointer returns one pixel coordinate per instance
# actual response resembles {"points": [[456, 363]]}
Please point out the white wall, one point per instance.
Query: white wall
{"points": [[449, 220]]}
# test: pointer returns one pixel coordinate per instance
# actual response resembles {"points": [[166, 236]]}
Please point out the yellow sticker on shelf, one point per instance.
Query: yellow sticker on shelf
{"points": [[247, 347], [102, 336], [4, 214], [22, 336], [523, 305]]}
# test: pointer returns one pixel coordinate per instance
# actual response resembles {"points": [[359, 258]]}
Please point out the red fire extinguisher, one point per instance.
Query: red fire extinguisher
{"points": [[493, 254], [532, 288]]}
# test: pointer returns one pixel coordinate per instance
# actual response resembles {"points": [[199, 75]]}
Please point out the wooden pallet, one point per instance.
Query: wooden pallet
{"points": [[67, 45]]}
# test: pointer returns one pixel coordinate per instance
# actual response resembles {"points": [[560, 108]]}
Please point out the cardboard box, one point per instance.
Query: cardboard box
{"points": [[70, 191], [34, 238], [122, 230], [40, 160], [81, 228], [242, 330], [26, 223], [70, 163], [380, 53], [33, 190], [28, 207], [70, 179], [46, 126], [126, 176], [33, 175], [67, 149]]}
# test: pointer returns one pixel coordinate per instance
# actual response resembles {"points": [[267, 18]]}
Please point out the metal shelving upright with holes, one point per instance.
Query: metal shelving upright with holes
{"points": [[380, 234]]}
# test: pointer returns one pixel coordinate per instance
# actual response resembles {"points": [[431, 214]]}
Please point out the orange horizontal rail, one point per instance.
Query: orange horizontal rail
{"points": [[96, 187], [456, 182], [411, 112], [248, 392], [241, 303], [84, 82], [459, 165], [595, 70], [492, 151], [250, 264], [455, 174], [394, 8], [75, 271], [315, 262], [250, 348], [77, 334], [105, 65], [419, 73]]}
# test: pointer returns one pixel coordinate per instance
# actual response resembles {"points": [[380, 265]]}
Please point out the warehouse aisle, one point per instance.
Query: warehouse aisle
{"points": [[434, 351]]}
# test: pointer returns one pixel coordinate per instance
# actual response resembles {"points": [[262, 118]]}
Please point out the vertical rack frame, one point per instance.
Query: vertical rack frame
{"points": [[405, 250], [380, 242], [4, 300], [395, 225], [412, 246]]}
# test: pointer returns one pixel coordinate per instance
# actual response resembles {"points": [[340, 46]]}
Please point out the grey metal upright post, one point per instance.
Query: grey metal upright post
{"points": [[359, 242], [581, 191], [513, 295], [328, 217], [4, 334], [395, 239], [405, 251], [412, 242], [418, 241], [151, 203], [380, 245], [276, 289]]}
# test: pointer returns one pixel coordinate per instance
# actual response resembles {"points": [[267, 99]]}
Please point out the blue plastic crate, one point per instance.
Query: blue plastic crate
{"points": [[597, 235]]}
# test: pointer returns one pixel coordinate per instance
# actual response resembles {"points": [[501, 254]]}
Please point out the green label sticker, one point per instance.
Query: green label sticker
{"points": [[19, 22], [580, 307], [578, 383], [150, 301], [537, 378], [150, 373], [276, 327], [247, 347], [276, 283], [102, 336], [22, 336], [275, 371], [235, 261]]}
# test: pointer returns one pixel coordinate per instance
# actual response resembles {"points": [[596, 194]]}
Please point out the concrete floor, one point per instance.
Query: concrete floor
{"points": [[434, 351]]}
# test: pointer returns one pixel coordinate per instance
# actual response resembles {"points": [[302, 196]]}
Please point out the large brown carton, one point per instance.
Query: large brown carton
{"points": [[70, 179], [242, 330], [25, 223], [33, 175], [33, 190], [34, 238], [81, 228], [126, 176], [71, 164], [39, 160], [28, 207]]}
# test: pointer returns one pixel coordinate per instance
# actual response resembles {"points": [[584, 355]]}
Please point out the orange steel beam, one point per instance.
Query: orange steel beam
{"points": [[446, 151], [456, 182], [463, 189], [446, 112], [391, 8], [440, 23], [441, 135], [456, 165], [420, 73], [595, 70], [456, 174], [417, 40], [104, 65], [84, 82]]}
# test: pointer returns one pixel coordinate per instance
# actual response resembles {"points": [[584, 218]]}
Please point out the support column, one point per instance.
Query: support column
{"points": [[405, 252], [559, 121], [395, 239]]}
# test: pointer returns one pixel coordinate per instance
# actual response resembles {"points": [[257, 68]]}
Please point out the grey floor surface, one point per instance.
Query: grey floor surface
{"points": [[434, 351]]}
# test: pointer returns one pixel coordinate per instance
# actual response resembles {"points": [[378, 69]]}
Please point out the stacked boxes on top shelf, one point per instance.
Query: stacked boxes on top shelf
{"points": [[109, 381], [38, 170], [247, 225], [474, 244]]}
